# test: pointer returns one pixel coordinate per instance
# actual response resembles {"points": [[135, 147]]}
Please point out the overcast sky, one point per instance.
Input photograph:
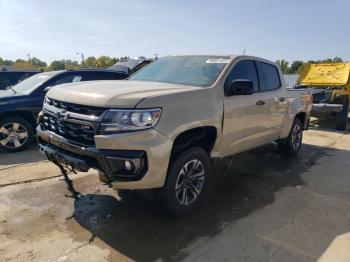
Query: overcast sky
{"points": [[274, 29]]}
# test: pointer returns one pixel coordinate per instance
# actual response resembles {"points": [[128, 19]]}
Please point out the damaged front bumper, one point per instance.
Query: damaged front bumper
{"points": [[117, 165]]}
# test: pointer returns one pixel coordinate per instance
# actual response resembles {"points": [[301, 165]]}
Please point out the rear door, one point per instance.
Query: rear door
{"points": [[272, 94]]}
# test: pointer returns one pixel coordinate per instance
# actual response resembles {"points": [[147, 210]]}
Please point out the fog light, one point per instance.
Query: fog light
{"points": [[128, 165]]}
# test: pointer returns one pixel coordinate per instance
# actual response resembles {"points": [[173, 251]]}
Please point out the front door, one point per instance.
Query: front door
{"points": [[244, 116]]}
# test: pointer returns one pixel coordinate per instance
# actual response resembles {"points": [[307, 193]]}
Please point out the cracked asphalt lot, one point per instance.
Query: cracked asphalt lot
{"points": [[261, 207]]}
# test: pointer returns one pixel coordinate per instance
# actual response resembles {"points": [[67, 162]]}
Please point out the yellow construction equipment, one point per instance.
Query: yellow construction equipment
{"points": [[331, 86]]}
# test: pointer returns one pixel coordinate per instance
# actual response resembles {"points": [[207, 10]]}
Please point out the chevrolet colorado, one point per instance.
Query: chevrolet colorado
{"points": [[162, 128]]}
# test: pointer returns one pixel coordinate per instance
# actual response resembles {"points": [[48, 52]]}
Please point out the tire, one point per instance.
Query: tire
{"points": [[187, 174], [103, 178], [292, 144], [16, 134], [341, 118]]}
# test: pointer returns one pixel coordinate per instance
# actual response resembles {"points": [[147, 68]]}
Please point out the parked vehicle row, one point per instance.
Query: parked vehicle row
{"points": [[162, 128], [21, 103]]}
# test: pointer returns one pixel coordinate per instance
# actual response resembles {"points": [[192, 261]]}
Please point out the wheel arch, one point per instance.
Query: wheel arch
{"points": [[203, 136], [29, 116], [302, 116]]}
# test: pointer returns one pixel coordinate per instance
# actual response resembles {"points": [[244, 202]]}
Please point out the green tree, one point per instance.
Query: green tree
{"points": [[70, 64], [36, 62], [64, 64], [295, 67], [283, 65], [105, 61], [337, 60], [57, 65], [22, 64], [89, 62], [6, 62], [327, 60]]}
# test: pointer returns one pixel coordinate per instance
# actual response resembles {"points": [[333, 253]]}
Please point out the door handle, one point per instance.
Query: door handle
{"points": [[260, 103], [282, 99]]}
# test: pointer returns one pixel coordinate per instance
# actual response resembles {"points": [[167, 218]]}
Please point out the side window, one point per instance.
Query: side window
{"points": [[269, 76], [244, 70], [71, 78], [92, 76]]}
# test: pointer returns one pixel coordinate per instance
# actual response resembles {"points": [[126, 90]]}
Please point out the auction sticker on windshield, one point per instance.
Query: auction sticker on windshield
{"points": [[218, 61]]}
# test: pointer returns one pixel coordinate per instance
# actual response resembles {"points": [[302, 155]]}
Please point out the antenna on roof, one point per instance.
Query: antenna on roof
{"points": [[244, 52]]}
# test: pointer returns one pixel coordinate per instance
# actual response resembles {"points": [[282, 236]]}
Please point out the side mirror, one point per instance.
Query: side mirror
{"points": [[46, 89], [240, 87]]}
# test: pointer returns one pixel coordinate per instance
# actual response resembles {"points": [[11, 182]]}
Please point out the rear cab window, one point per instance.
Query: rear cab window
{"points": [[269, 76]]}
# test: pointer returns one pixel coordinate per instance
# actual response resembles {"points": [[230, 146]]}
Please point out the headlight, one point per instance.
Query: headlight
{"points": [[115, 120]]}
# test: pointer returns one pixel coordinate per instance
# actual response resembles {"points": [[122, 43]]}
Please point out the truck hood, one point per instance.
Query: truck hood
{"points": [[117, 93], [6, 93], [9, 95]]}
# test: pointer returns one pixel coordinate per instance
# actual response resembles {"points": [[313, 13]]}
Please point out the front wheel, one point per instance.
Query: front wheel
{"points": [[290, 146], [186, 181], [16, 134]]}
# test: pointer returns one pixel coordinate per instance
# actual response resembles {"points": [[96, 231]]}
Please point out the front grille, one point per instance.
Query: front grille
{"points": [[80, 134], [75, 108]]}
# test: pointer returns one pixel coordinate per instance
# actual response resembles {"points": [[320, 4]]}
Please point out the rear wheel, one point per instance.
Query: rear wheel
{"points": [[16, 134], [186, 181], [291, 145], [341, 118]]}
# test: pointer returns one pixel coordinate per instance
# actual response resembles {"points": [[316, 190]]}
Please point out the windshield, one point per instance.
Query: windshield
{"points": [[183, 70], [29, 84]]}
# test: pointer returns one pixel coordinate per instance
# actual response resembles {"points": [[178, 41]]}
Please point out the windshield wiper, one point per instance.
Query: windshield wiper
{"points": [[10, 87]]}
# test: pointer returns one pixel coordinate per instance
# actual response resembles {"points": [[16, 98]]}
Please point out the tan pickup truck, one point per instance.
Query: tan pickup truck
{"points": [[162, 128]]}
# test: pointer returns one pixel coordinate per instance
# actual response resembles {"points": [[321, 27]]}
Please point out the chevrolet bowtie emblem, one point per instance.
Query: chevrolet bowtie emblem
{"points": [[62, 115]]}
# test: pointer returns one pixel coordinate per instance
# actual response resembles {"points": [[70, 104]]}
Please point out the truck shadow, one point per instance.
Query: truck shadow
{"points": [[245, 183]]}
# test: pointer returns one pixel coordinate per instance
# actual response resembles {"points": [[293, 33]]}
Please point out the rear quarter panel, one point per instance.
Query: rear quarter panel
{"points": [[299, 101]]}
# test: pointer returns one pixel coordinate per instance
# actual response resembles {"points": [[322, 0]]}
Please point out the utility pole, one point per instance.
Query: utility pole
{"points": [[82, 57], [28, 57]]}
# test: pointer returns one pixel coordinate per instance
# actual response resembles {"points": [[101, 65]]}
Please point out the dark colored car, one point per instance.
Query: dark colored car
{"points": [[21, 103], [11, 77], [130, 65]]}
